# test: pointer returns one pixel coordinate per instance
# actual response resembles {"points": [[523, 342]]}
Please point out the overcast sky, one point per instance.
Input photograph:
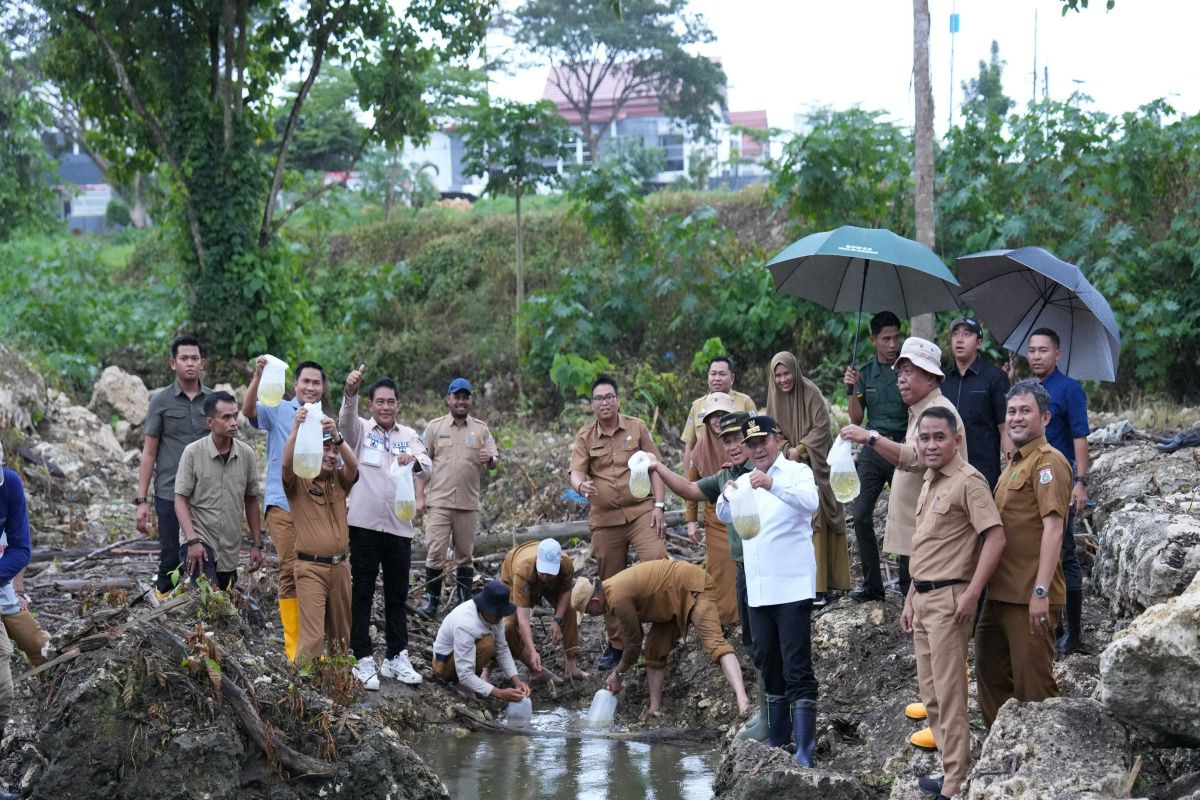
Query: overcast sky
{"points": [[788, 56]]}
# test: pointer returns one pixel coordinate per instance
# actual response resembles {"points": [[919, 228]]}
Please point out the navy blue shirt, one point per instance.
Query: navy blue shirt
{"points": [[14, 522], [979, 397], [1068, 413]]}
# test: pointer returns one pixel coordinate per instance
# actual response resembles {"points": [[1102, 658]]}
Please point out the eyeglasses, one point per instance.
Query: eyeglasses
{"points": [[604, 399]]}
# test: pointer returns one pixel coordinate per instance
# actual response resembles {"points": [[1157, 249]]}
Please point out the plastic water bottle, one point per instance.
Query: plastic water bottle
{"points": [[604, 705], [522, 709]]}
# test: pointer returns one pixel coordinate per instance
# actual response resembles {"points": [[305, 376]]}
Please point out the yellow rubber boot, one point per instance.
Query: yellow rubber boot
{"points": [[915, 711], [923, 739], [289, 615]]}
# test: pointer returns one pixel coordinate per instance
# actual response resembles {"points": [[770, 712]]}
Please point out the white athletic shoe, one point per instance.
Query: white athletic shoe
{"points": [[400, 668], [366, 673]]}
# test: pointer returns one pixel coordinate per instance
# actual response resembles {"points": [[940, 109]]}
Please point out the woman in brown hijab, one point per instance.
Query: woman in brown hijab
{"points": [[708, 457], [797, 405]]}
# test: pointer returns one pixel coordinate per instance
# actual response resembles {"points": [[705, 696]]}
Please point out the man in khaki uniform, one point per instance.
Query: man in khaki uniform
{"points": [[461, 447], [1014, 641], [600, 472], [670, 595], [538, 571], [216, 488], [950, 570], [318, 510]]}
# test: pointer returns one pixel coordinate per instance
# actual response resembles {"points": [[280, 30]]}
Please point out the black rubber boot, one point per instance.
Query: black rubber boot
{"points": [[1072, 636], [804, 728], [433, 592], [465, 577], [779, 722]]}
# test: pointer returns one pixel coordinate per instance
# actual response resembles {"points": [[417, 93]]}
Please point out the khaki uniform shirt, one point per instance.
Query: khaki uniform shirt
{"points": [[954, 509], [453, 446], [693, 426], [910, 477], [319, 513], [652, 591], [216, 491], [1036, 484], [519, 573], [605, 460], [176, 421]]}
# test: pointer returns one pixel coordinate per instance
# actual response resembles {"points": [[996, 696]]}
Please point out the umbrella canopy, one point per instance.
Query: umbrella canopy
{"points": [[1015, 292]]}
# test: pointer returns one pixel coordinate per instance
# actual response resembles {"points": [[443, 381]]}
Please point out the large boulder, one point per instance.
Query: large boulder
{"points": [[75, 443], [1150, 674], [22, 392], [118, 393], [1064, 747], [752, 771]]}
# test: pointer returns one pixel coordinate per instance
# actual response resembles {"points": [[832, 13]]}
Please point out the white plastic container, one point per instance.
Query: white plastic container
{"points": [[270, 388], [306, 459], [604, 705], [520, 710]]}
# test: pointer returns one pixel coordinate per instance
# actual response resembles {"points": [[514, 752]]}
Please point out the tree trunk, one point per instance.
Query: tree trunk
{"points": [[922, 325], [520, 292]]}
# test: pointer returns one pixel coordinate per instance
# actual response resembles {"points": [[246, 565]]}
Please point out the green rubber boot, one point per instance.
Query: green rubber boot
{"points": [[756, 727]]}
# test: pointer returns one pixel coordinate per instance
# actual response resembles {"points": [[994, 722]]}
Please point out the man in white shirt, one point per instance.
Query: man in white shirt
{"points": [[781, 574], [471, 639]]}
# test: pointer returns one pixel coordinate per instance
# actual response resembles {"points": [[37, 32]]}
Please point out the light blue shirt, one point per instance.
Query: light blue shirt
{"points": [[277, 422], [781, 566]]}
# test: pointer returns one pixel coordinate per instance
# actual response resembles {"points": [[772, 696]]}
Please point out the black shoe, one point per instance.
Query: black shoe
{"points": [[610, 659], [431, 606], [931, 785], [820, 600], [1071, 638], [865, 595], [464, 578]]}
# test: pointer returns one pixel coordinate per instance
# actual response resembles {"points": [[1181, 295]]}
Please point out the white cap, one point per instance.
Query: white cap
{"points": [[549, 557], [923, 354]]}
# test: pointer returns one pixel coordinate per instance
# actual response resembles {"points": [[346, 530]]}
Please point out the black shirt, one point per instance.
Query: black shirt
{"points": [[979, 397]]}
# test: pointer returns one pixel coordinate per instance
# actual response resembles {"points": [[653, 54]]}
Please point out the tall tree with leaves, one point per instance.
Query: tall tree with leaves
{"points": [[25, 196], [922, 324], [192, 86], [601, 60]]}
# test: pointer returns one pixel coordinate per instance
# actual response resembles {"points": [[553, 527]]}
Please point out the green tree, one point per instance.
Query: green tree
{"points": [[25, 196], [328, 135], [193, 86], [642, 50], [391, 180]]}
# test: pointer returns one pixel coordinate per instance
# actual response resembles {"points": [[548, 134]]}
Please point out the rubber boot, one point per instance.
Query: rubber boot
{"points": [[779, 731], [1072, 636], [464, 578], [804, 728], [433, 592], [289, 616], [756, 727]]}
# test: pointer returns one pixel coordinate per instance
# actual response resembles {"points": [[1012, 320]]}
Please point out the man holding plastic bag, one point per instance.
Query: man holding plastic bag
{"points": [[379, 538], [600, 471]]}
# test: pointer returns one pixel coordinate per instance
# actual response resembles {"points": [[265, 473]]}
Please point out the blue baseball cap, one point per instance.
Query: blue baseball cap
{"points": [[460, 385]]}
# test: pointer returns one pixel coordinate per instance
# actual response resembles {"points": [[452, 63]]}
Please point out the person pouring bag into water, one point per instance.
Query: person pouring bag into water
{"points": [[537, 571], [955, 549], [670, 596], [378, 538], [618, 520], [919, 375], [798, 406], [470, 645], [322, 540], [461, 447]]}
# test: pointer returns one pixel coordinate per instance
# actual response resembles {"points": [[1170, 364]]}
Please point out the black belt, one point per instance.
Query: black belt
{"points": [[330, 560], [928, 586]]}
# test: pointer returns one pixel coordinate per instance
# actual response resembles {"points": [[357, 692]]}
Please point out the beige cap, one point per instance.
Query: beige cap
{"points": [[923, 353], [717, 401]]}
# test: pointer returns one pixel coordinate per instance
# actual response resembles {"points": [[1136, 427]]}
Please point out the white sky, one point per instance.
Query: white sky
{"points": [[788, 56]]}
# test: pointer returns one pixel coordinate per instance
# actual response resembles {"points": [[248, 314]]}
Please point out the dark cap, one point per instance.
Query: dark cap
{"points": [[757, 427], [972, 325], [733, 421], [495, 599], [460, 385]]}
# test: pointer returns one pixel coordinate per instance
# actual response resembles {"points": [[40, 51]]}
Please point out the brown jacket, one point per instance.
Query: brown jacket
{"points": [[652, 592]]}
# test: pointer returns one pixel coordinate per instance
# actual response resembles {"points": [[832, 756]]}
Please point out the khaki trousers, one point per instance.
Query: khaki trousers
{"points": [[6, 681], [445, 524], [705, 618], [323, 602], [485, 654], [610, 546], [570, 631], [941, 647], [1009, 660], [283, 534], [718, 563], [23, 628]]}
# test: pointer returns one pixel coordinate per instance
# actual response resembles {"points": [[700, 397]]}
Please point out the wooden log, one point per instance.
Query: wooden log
{"points": [[475, 721], [139, 546], [100, 551], [574, 529], [77, 585]]}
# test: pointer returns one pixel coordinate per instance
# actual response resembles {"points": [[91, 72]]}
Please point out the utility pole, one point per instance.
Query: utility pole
{"points": [[950, 99]]}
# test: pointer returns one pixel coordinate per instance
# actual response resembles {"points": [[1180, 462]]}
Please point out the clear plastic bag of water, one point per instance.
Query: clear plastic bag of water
{"points": [[639, 474], [604, 706], [306, 459], [743, 506], [843, 477], [270, 388], [405, 498]]}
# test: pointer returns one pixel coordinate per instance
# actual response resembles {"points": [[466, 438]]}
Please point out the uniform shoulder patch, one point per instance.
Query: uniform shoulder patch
{"points": [[1045, 474], [978, 496]]}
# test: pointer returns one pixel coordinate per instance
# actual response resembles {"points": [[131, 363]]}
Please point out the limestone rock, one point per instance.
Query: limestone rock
{"points": [[22, 392], [75, 443], [1150, 674], [117, 392], [1062, 747], [755, 770]]}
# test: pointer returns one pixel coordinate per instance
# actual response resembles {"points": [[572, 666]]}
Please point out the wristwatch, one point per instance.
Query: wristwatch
{"points": [[1040, 592], [873, 438], [1081, 479], [137, 501], [660, 505], [558, 620], [338, 442]]}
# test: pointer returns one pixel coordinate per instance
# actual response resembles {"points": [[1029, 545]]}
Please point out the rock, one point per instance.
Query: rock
{"points": [[1150, 674], [22, 392], [754, 770], [1113, 433], [75, 443], [116, 392], [1059, 748]]}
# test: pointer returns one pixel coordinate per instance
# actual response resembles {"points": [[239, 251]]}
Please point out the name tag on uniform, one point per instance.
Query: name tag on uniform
{"points": [[399, 447]]}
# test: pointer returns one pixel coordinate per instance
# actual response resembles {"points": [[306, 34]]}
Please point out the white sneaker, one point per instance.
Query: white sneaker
{"points": [[400, 668], [366, 673]]}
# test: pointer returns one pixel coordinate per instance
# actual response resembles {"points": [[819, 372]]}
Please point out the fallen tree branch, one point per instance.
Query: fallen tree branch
{"points": [[575, 529], [99, 551], [475, 721]]}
